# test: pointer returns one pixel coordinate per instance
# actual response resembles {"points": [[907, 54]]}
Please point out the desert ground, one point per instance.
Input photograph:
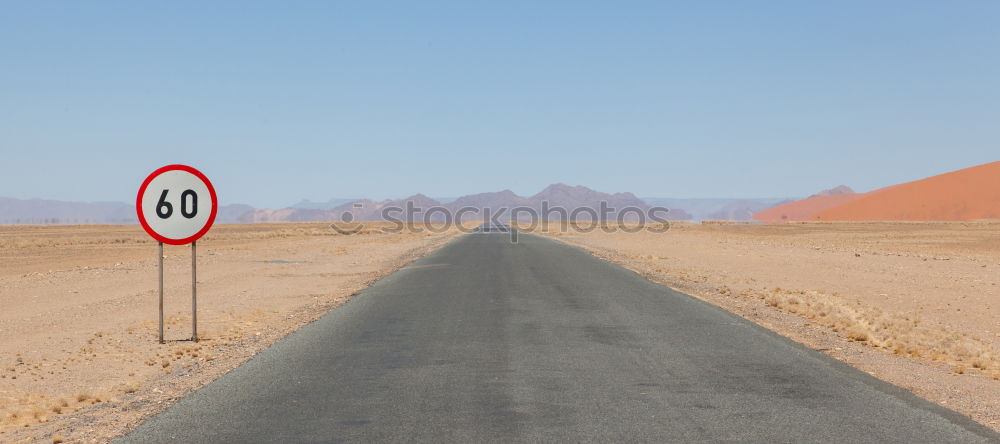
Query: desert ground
{"points": [[915, 304], [79, 354]]}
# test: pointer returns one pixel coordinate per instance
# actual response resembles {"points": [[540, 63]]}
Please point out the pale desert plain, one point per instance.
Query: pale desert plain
{"points": [[79, 354], [916, 304]]}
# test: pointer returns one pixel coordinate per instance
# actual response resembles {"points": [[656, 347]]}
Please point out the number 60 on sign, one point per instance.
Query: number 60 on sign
{"points": [[176, 204]]}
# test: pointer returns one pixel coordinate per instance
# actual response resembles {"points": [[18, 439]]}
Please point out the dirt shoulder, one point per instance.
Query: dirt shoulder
{"points": [[915, 304], [79, 358]]}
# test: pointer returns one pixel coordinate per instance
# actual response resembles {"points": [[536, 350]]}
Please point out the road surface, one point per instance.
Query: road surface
{"points": [[489, 341]]}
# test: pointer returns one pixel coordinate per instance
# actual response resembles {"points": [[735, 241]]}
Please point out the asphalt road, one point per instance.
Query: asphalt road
{"points": [[489, 341]]}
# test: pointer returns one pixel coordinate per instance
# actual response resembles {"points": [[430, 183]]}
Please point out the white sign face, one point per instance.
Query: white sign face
{"points": [[176, 204]]}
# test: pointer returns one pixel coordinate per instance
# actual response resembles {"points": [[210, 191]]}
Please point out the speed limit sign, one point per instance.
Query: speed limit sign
{"points": [[176, 204]]}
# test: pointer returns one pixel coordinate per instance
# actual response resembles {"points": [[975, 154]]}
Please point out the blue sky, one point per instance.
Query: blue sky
{"points": [[287, 100]]}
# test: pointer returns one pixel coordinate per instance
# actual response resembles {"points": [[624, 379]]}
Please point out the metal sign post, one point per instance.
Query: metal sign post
{"points": [[161, 292], [177, 205], [194, 291]]}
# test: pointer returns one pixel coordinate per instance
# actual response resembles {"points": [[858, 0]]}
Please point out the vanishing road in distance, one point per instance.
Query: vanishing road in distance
{"points": [[486, 340]]}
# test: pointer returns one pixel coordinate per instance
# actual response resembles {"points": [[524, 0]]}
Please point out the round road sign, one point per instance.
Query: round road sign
{"points": [[176, 204]]}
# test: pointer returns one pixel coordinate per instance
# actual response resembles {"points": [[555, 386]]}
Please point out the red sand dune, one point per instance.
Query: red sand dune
{"points": [[804, 209], [968, 194]]}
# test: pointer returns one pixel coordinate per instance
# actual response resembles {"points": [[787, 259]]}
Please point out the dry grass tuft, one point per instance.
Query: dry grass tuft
{"points": [[902, 334], [40, 414], [131, 386], [857, 334]]}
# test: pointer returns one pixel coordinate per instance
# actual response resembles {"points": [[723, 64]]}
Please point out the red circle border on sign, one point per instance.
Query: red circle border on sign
{"points": [[142, 217]]}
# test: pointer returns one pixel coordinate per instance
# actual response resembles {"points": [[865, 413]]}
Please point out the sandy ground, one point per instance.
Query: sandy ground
{"points": [[915, 304], [79, 357]]}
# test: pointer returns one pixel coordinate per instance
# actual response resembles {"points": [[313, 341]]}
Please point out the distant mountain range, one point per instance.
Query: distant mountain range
{"points": [[968, 194], [569, 198]]}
